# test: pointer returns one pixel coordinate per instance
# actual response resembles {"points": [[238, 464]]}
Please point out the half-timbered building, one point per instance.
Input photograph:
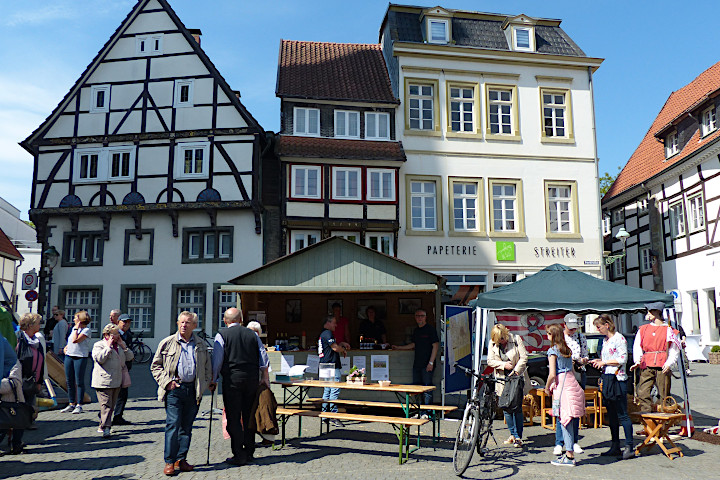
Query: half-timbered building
{"points": [[667, 197], [338, 151], [146, 179]]}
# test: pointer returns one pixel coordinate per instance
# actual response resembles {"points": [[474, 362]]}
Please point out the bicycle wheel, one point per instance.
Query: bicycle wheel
{"points": [[143, 354], [466, 438], [487, 415]]}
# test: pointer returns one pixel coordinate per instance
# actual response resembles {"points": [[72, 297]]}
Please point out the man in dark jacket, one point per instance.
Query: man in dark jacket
{"points": [[239, 356]]}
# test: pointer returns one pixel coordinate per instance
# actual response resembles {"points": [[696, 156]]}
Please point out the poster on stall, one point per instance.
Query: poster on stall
{"points": [[380, 367], [358, 362], [313, 363], [286, 363], [458, 338], [345, 361]]}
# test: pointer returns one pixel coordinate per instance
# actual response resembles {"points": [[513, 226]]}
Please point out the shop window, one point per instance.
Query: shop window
{"points": [[460, 289]]}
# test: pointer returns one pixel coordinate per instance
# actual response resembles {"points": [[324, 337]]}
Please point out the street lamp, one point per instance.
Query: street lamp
{"points": [[622, 235], [51, 256]]}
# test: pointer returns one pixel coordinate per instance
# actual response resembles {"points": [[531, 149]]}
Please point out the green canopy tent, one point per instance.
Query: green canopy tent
{"points": [[558, 287], [561, 288]]}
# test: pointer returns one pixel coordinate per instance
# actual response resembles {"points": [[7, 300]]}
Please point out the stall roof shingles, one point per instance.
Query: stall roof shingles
{"points": [[649, 158], [481, 33], [333, 71], [312, 147], [7, 249]]}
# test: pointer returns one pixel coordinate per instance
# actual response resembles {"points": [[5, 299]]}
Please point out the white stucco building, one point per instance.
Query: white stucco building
{"points": [[146, 180], [497, 123]]}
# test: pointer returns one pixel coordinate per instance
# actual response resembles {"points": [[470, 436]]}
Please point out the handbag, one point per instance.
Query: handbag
{"points": [[611, 387], [126, 381], [512, 394], [29, 387], [15, 415]]}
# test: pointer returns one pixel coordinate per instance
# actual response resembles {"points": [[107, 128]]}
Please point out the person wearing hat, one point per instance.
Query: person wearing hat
{"points": [[655, 351], [578, 346], [126, 335]]}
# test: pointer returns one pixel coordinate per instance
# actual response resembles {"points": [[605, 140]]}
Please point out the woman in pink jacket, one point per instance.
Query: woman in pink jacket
{"points": [[568, 396]]}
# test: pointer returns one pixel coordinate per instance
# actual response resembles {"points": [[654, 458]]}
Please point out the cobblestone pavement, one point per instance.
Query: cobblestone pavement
{"points": [[66, 446]]}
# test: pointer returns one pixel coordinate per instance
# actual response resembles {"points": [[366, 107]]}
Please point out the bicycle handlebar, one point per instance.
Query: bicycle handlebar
{"points": [[480, 376]]}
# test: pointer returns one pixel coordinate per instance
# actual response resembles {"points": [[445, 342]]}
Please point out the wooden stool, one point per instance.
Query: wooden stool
{"points": [[656, 428]]}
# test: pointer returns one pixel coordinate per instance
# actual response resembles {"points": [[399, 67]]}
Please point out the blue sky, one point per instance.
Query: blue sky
{"points": [[650, 49]]}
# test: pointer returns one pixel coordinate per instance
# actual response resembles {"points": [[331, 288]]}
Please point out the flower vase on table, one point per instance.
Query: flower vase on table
{"points": [[356, 375]]}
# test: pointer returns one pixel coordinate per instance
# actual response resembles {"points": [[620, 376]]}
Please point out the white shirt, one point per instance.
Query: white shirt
{"points": [[80, 349]]}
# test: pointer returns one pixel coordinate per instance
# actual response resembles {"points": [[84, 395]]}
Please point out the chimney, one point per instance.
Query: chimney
{"points": [[237, 93], [196, 33]]}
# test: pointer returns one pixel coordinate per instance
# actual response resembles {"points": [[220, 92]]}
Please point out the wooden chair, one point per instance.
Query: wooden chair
{"points": [[592, 407]]}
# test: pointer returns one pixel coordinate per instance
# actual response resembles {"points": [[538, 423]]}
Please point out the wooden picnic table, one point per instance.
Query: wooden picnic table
{"points": [[409, 399]]}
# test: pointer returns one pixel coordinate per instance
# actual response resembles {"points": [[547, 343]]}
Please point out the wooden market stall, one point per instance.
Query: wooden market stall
{"points": [[292, 296]]}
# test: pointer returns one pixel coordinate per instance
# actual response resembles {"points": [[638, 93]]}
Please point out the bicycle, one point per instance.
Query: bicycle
{"points": [[142, 352], [476, 427]]}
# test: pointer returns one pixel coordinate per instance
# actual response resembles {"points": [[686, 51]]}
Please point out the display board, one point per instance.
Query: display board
{"points": [[458, 347]]}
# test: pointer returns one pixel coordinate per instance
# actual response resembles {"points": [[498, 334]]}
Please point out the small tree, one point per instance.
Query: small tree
{"points": [[607, 180]]}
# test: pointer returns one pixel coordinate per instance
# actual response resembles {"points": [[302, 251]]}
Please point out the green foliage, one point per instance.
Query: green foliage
{"points": [[715, 348], [607, 180], [29, 223]]}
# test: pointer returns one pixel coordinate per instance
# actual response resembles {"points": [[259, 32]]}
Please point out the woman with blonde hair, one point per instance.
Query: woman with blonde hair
{"points": [[508, 357], [611, 364], [109, 355], [77, 352], [568, 396]]}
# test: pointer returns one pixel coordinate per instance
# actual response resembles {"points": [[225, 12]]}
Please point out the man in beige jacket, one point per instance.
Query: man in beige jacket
{"points": [[183, 371]]}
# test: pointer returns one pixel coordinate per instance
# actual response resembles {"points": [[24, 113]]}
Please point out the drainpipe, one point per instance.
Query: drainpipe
{"points": [[597, 172], [13, 298]]}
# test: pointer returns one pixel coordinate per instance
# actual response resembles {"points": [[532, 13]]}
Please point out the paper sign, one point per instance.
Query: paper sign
{"points": [[297, 370], [358, 362], [286, 362], [345, 365], [380, 367], [313, 362]]}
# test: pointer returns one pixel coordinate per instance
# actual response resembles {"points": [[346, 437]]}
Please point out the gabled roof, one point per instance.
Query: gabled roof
{"points": [[314, 147], [649, 159], [90, 69], [336, 265], [333, 71], [7, 249], [478, 29]]}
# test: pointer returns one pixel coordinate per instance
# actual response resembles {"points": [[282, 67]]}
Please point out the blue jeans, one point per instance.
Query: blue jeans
{"points": [[568, 433], [617, 414], [422, 377], [75, 374], [515, 422], [332, 394], [181, 408]]}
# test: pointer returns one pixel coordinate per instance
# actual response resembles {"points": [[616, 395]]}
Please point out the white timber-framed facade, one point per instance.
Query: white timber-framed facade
{"points": [[146, 180]]}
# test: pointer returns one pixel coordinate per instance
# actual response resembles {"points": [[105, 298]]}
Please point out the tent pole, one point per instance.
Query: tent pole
{"points": [[674, 323]]}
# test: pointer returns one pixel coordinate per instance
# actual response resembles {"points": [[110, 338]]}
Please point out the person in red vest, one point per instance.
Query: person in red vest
{"points": [[655, 351]]}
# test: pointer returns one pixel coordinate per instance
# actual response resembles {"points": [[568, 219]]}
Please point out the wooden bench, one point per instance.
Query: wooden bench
{"points": [[400, 424], [434, 410]]}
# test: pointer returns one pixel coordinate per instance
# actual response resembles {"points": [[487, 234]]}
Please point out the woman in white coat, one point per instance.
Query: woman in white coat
{"points": [[109, 356], [507, 356]]}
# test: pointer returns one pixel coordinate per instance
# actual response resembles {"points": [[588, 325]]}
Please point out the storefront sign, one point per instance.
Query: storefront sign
{"points": [[451, 250], [505, 251], [554, 252]]}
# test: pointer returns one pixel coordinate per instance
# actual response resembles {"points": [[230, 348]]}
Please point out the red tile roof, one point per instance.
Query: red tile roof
{"points": [[333, 71], [318, 147], [649, 157], [7, 249]]}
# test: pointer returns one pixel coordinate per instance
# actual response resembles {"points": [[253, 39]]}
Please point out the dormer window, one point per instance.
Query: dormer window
{"points": [[709, 120], [671, 145], [524, 39], [438, 31]]}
